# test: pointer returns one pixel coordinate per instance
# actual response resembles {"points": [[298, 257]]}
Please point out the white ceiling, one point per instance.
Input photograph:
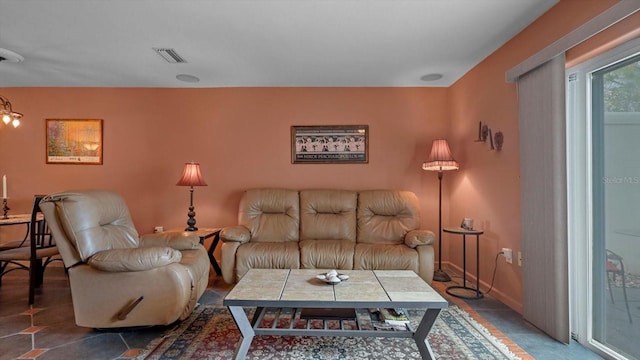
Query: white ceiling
{"points": [[238, 43]]}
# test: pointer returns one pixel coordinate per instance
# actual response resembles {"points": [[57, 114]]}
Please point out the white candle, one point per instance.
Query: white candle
{"points": [[4, 186]]}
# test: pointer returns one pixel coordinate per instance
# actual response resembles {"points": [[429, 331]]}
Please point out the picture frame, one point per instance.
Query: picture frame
{"points": [[74, 141], [330, 144]]}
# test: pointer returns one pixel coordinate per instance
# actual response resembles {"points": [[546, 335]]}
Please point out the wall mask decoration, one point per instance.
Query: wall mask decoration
{"points": [[495, 140]]}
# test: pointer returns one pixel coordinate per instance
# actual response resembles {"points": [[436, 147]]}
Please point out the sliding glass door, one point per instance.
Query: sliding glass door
{"points": [[615, 109], [603, 170]]}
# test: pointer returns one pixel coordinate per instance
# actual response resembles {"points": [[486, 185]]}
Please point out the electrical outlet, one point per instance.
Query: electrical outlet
{"points": [[519, 258], [508, 255], [158, 229]]}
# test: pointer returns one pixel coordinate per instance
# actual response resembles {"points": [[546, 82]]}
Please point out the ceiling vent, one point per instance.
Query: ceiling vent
{"points": [[170, 55]]}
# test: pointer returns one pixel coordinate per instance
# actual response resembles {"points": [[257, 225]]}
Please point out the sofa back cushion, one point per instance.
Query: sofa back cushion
{"points": [[94, 221], [271, 215], [385, 216], [328, 215]]}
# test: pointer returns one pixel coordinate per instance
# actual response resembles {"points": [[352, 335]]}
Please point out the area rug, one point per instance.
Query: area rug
{"points": [[210, 333]]}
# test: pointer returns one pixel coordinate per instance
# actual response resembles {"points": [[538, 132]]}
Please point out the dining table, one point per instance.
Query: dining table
{"points": [[18, 219]]}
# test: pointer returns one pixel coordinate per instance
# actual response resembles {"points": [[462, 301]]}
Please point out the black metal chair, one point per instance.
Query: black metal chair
{"points": [[615, 267], [39, 251]]}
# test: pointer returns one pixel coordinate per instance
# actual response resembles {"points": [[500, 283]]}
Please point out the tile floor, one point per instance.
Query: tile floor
{"points": [[49, 325]]}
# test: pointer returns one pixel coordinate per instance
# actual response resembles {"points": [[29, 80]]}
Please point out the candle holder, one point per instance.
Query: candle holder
{"points": [[5, 209]]}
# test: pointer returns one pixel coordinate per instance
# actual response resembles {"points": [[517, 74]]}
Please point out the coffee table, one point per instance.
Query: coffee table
{"points": [[286, 292]]}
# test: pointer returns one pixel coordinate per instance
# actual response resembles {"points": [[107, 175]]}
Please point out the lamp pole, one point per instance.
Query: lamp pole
{"points": [[440, 275]]}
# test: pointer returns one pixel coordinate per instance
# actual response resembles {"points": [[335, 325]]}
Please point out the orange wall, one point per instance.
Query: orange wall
{"points": [[487, 187], [241, 137]]}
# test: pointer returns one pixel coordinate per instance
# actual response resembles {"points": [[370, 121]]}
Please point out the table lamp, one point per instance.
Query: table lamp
{"points": [[191, 177], [440, 160]]}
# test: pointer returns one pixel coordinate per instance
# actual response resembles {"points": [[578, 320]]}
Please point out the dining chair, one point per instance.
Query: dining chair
{"points": [[615, 267], [34, 254]]}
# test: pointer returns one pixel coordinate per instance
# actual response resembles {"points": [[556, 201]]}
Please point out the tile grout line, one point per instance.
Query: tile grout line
{"points": [[32, 330]]}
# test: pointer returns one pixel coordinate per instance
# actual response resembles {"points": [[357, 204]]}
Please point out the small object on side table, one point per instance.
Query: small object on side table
{"points": [[464, 233]]}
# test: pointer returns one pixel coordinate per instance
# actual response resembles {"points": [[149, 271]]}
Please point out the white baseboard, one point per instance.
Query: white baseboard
{"points": [[484, 287]]}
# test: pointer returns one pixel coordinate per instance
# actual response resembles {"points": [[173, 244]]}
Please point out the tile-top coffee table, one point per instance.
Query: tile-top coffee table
{"points": [[287, 292]]}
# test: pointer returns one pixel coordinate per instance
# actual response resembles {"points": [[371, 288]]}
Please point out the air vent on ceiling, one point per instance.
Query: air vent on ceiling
{"points": [[170, 55]]}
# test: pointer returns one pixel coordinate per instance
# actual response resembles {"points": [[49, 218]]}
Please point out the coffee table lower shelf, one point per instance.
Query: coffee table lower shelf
{"points": [[359, 326]]}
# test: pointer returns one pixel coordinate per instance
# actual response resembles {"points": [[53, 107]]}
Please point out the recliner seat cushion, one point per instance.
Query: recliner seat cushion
{"points": [[385, 216], [328, 215], [138, 259], [327, 254], [264, 255], [95, 221], [271, 215], [385, 257]]}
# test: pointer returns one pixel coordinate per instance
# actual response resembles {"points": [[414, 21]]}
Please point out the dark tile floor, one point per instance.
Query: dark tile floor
{"points": [[47, 330]]}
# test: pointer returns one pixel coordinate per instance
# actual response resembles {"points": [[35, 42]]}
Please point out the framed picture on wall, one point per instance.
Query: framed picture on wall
{"points": [[339, 144], [74, 141]]}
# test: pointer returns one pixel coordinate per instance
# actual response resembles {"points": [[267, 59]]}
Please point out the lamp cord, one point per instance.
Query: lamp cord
{"points": [[495, 267]]}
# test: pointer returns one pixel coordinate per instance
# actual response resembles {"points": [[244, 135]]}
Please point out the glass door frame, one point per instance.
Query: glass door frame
{"points": [[580, 195]]}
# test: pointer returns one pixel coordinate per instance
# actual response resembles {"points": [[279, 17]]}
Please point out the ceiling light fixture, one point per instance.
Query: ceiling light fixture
{"points": [[431, 77], [8, 115], [10, 56]]}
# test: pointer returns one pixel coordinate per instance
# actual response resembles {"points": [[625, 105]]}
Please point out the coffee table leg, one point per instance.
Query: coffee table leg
{"points": [[240, 317], [420, 336]]}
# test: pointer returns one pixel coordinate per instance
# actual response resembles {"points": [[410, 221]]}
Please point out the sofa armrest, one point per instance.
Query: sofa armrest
{"points": [[419, 237], [176, 240], [134, 259], [236, 233]]}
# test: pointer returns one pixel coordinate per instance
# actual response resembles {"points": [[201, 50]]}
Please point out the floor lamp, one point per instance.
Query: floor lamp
{"points": [[440, 160]]}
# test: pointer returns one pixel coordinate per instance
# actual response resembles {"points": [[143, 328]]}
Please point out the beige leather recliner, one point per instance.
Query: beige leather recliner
{"points": [[117, 278], [327, 229]]}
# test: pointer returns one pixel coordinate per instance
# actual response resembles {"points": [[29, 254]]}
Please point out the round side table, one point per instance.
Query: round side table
{"points": [[464, 232]]}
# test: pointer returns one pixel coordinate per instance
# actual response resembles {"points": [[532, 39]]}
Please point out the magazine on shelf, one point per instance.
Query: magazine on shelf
{"points": [[394, 316]]}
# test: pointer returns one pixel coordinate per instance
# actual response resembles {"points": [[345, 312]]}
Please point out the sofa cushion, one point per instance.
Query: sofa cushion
{"points": [[264, 255], [138, 259], [385, 216], [385, 257], [328, 214], [272, 215], [96, 220], [326, 254]]}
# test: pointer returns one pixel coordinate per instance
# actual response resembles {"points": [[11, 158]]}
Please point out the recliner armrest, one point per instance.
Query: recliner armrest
{"points": [[236, 233], [135, 259], [419, 237], [176, 240]]}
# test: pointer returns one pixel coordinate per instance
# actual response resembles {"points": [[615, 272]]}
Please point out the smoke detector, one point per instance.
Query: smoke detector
{"points": [[431, 77], [10, 56]]}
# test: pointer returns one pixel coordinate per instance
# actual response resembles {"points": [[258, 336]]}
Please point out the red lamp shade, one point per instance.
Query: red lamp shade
{"points": [[191, 175], [440, 158]]}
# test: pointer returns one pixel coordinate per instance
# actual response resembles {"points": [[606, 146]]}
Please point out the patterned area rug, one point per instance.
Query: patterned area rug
{"points": [[210, 333]]}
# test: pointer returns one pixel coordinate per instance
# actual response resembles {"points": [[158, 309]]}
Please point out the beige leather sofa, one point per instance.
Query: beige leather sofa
{"points": [[117, 278], [327, 229]]}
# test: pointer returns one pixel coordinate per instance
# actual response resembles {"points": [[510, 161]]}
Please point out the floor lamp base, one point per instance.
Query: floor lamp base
{"points": [[441, 276]]}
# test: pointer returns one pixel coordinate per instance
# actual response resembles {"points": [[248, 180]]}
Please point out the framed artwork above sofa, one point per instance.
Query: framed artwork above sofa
{"points": [[332, 144]]}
